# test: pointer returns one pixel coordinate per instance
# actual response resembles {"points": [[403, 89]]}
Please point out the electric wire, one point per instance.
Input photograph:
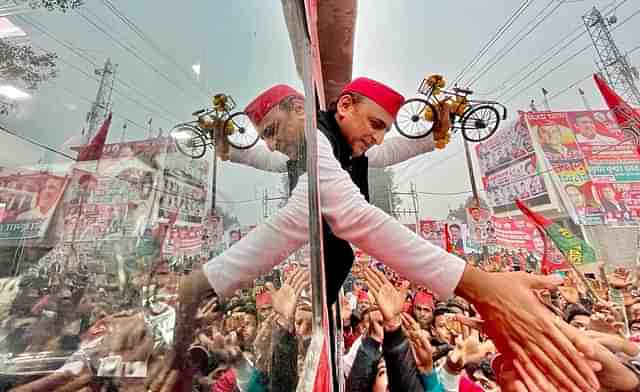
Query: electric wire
{"points": [[496, 37]]}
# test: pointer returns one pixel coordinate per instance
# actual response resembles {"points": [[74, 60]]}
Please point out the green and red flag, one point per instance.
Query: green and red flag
{"points": [[574, 249]]}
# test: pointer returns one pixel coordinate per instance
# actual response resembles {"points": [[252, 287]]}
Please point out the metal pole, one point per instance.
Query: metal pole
{"points": [[214, 175], [545, 95], [298, 29], [472, 176], [414, 197]]}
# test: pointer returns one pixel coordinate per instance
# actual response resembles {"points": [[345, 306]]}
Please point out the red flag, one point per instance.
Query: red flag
{"points": [[323, 372], [623, 112], [93, 150]]}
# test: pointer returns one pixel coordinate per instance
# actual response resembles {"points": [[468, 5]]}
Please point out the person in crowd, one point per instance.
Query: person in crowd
{"points": [[364, 302], [423, 306], [385, 360], [578, 317]]}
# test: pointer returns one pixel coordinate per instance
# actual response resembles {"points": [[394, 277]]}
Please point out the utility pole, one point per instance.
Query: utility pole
{"points": [[585, 102], [545, 97], [415, 211], [265, 203], [100, 107], [614, 66]]}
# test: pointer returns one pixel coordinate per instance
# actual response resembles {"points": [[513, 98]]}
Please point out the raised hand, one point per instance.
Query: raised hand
{"points": [[420, 343], [390, 300], [285, 300]]}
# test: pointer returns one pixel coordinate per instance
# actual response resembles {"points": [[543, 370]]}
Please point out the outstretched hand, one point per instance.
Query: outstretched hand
{"points": [[522, 327]]}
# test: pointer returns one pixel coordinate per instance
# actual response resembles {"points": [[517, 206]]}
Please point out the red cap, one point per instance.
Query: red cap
{"points": [[423, 298], [389, 99], [262, 299], [363, 296], [260, 106]]}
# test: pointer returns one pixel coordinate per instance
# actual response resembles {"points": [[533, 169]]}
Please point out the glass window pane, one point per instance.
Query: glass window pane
{"points": [[148, 234]]}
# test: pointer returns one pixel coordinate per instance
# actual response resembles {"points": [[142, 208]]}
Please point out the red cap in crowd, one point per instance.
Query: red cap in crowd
{"points": [[260, 106], [389, 99], [262, 299], [363, 296], [424, 298]]}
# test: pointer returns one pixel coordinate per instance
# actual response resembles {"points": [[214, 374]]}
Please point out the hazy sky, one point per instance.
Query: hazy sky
{"points": [[243, 47]]}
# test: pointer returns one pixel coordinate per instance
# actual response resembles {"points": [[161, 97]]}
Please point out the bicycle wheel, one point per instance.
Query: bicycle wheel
{"points": [[411, 121], [240, 131], [189, 140], [479, 123]]}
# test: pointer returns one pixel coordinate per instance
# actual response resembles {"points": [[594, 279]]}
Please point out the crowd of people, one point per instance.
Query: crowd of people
{"points": [[397, 336]]}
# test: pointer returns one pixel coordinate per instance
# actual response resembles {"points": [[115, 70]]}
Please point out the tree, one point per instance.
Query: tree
{"points": [[381, 190], [21, 62], [55, 5]]}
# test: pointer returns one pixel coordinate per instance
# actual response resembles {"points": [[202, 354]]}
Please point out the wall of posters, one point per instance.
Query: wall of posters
{"points": [[563, 154], [508, 168]]}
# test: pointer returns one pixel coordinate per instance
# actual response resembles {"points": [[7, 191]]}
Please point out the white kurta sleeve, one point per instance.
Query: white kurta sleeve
{"points": [[260, 157], [352, 219], [372, 230], [262, 248], [398, 149]]}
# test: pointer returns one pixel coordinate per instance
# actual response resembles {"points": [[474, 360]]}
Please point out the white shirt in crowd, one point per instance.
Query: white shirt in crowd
{"points": [[350, 217]]}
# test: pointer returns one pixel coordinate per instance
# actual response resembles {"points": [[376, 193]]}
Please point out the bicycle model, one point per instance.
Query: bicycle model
{"points": [[192, 138], [477, 120]]}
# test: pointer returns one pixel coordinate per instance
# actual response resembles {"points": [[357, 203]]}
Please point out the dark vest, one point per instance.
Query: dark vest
{"points": [[338, 255]]}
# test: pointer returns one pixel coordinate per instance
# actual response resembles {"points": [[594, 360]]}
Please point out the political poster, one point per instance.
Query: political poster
{"points": [[516, 181], [478, 222], [508, 167], [433, 231], [514, 233], [29, 201], [510, 143], [562, 151], [609, 156]]}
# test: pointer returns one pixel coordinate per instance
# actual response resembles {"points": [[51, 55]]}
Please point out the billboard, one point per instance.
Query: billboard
{"points": [[508, 168], [29, 201]]}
